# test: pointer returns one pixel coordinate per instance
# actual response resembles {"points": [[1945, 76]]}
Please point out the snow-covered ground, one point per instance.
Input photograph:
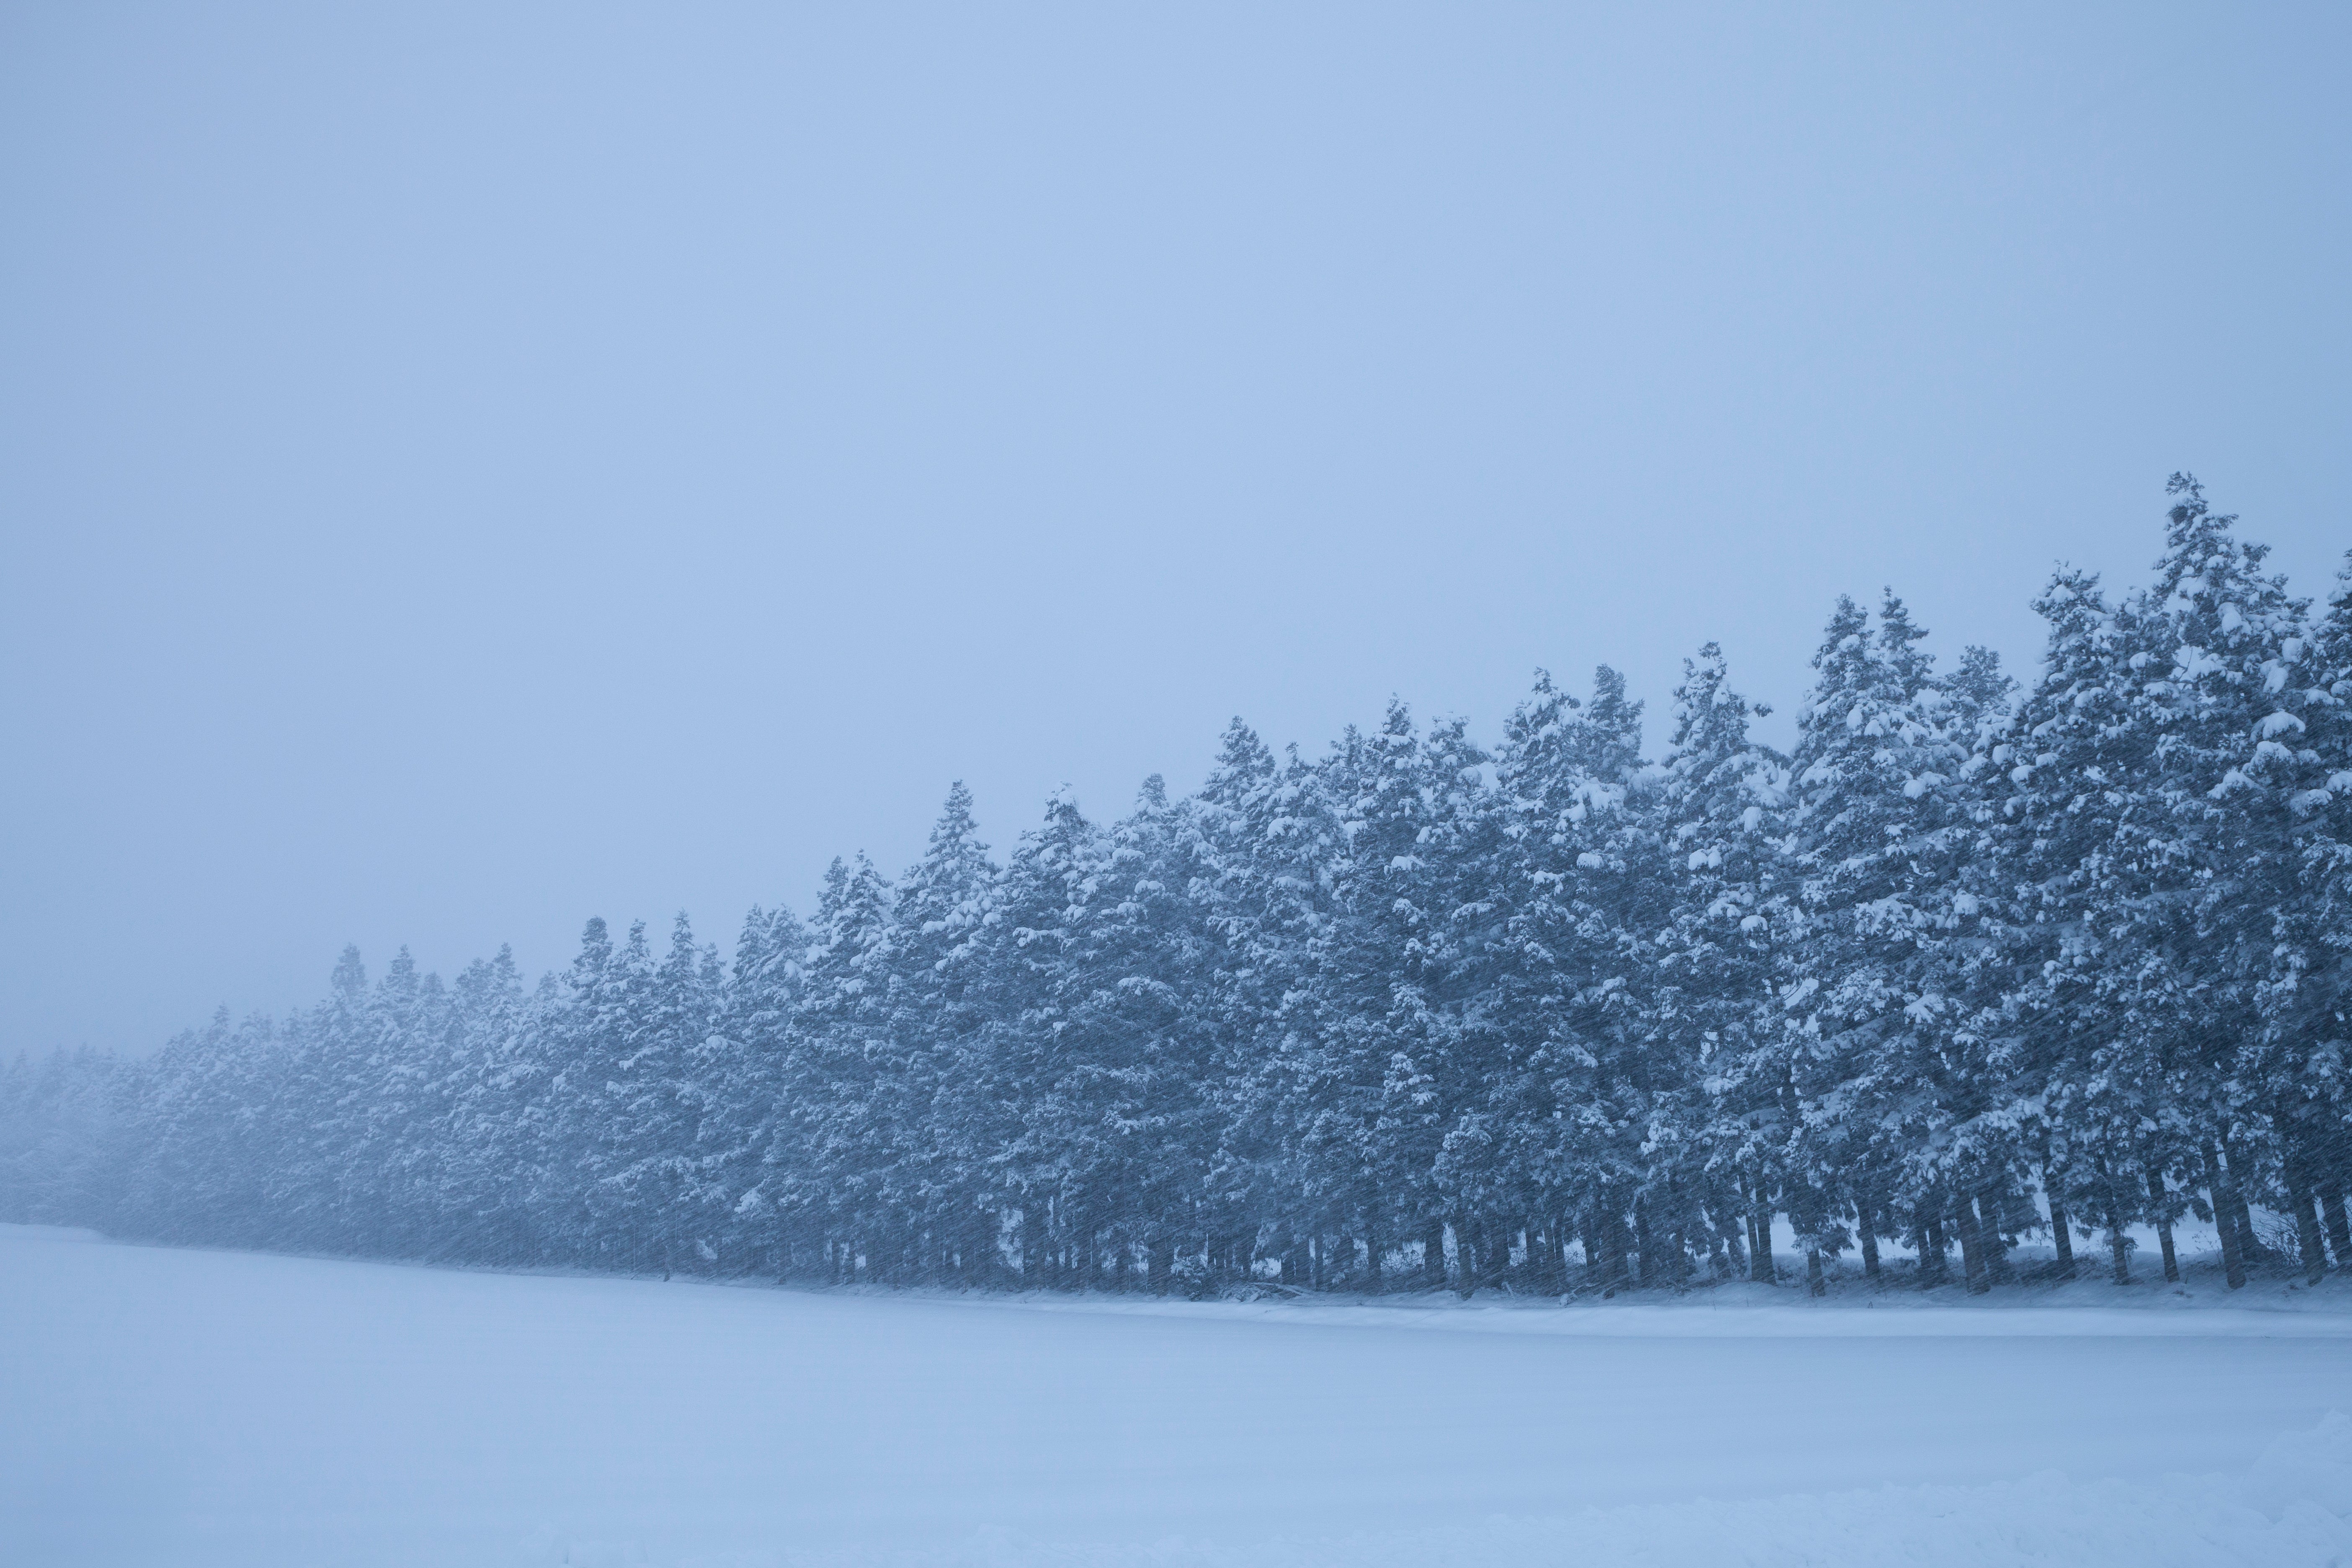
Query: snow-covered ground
{"points": [[181, 1407]]}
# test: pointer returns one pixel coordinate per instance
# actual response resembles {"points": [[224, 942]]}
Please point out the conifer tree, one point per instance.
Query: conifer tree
{"points": [[1722, 955], [1863, 1004], [749, 1161], [942, 909], [2205, 876], [1034, 1066], [844, 1112], [1261, 843]]}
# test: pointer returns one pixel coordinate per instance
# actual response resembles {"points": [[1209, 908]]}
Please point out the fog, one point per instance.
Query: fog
{"points": [[461, 473]]}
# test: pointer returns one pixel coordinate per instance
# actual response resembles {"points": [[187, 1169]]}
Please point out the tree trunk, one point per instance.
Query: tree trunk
{"points": [[1763, 1268], [1996, 1245], [1680, 1244], [1934, 1263], [2060, 1236], [1869, 1241], [1432, 1254], [1372, 1282], [968, 1257], [1645, 1245], [1814, 1283], [2225, 1218], [2339, 1231], [1616, 1267], [1972, 1258], [2118, 1216], [2160, 1201], [1032, 1245], [2307, 1231], [2249, 1243]]}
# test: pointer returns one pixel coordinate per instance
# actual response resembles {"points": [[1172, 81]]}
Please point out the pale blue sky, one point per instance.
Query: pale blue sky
{"points": [[466, 469]]}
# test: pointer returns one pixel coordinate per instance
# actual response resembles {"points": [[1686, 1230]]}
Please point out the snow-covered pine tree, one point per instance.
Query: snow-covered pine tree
{"points": [[842, 1112], [1722, 799], [2308, 997], [943, 906], [2209, 878], [2075, 758], [495, 1129], [1453, 943], [647, 1158], [1140, 1083], [63, 1128], [615, 1084], [1540, 795], [1864, 1005], [750, 1168], [1627, 1123], [211, 1157], [1261, 844], [1384, 1032], [1032, 1068], [580, 1020]]}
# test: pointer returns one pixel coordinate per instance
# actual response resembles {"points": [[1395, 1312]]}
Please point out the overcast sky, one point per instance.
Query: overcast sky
{"points": [[467, 469]]}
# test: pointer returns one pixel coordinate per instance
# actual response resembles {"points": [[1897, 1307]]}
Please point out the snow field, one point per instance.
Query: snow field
{"points": [[191, 1408], [2289, 1512]]}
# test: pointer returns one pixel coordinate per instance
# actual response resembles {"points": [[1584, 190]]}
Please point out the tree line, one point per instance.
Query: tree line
{"points": [[1975, 963]]}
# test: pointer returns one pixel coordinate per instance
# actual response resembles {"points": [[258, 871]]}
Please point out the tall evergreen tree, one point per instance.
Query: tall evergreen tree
{"points": [[942, 917], [1723, 953]]}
